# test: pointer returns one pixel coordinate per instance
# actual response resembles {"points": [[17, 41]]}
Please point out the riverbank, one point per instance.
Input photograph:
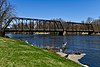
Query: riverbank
{"points": [[16, 53]]}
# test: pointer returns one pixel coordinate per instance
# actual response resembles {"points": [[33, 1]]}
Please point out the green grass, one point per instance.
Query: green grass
{"points": [[16, 53]]}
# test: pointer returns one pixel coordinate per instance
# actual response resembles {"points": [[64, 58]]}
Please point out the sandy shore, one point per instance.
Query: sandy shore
{"points": [[73, 57]]}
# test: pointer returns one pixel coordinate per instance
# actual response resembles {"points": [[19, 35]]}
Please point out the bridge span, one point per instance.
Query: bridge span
{"points": [[31, 25]]}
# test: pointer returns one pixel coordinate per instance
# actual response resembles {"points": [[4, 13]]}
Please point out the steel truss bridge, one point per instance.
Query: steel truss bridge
{"points": [[20, 25]]}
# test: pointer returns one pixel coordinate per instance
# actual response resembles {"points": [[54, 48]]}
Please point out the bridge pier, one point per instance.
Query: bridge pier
{"points": [[2, 33], [64, 33], [60, 33]]}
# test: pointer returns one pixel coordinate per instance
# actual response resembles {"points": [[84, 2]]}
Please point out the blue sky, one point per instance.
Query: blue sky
{"points": [[74, 10]]}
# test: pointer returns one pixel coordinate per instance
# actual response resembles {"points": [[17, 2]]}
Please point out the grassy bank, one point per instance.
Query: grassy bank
{"points": [[15, 53]]}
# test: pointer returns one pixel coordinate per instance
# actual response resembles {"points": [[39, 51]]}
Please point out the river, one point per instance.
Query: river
{"points": [[85, 44]]}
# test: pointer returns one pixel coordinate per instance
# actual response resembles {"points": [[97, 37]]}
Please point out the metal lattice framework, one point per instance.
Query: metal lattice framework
{"points": [[77, 27], [17, 24], [32, 25]]}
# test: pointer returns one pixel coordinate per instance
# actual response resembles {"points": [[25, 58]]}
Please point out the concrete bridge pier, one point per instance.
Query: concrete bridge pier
{"points": [[62, 33]]}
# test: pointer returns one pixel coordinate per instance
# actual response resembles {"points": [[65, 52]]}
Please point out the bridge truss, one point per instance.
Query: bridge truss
{"points": [[17, 24]]}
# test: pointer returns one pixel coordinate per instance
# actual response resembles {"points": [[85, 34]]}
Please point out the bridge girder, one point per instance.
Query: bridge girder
{"points": [[17, 24], [32, 24]]}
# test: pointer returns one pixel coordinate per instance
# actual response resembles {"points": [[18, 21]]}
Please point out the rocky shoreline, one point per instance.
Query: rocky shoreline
{"points": [[72, 57]]}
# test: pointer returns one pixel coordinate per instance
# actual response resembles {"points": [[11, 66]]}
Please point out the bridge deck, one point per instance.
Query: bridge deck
{"points": [[45, 30]]}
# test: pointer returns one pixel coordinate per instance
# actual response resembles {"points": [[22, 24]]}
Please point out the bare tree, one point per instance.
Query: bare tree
{"points": [[5, 11]]}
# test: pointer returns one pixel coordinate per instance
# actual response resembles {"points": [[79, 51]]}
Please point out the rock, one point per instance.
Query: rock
{"points": [[73, 57]]}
